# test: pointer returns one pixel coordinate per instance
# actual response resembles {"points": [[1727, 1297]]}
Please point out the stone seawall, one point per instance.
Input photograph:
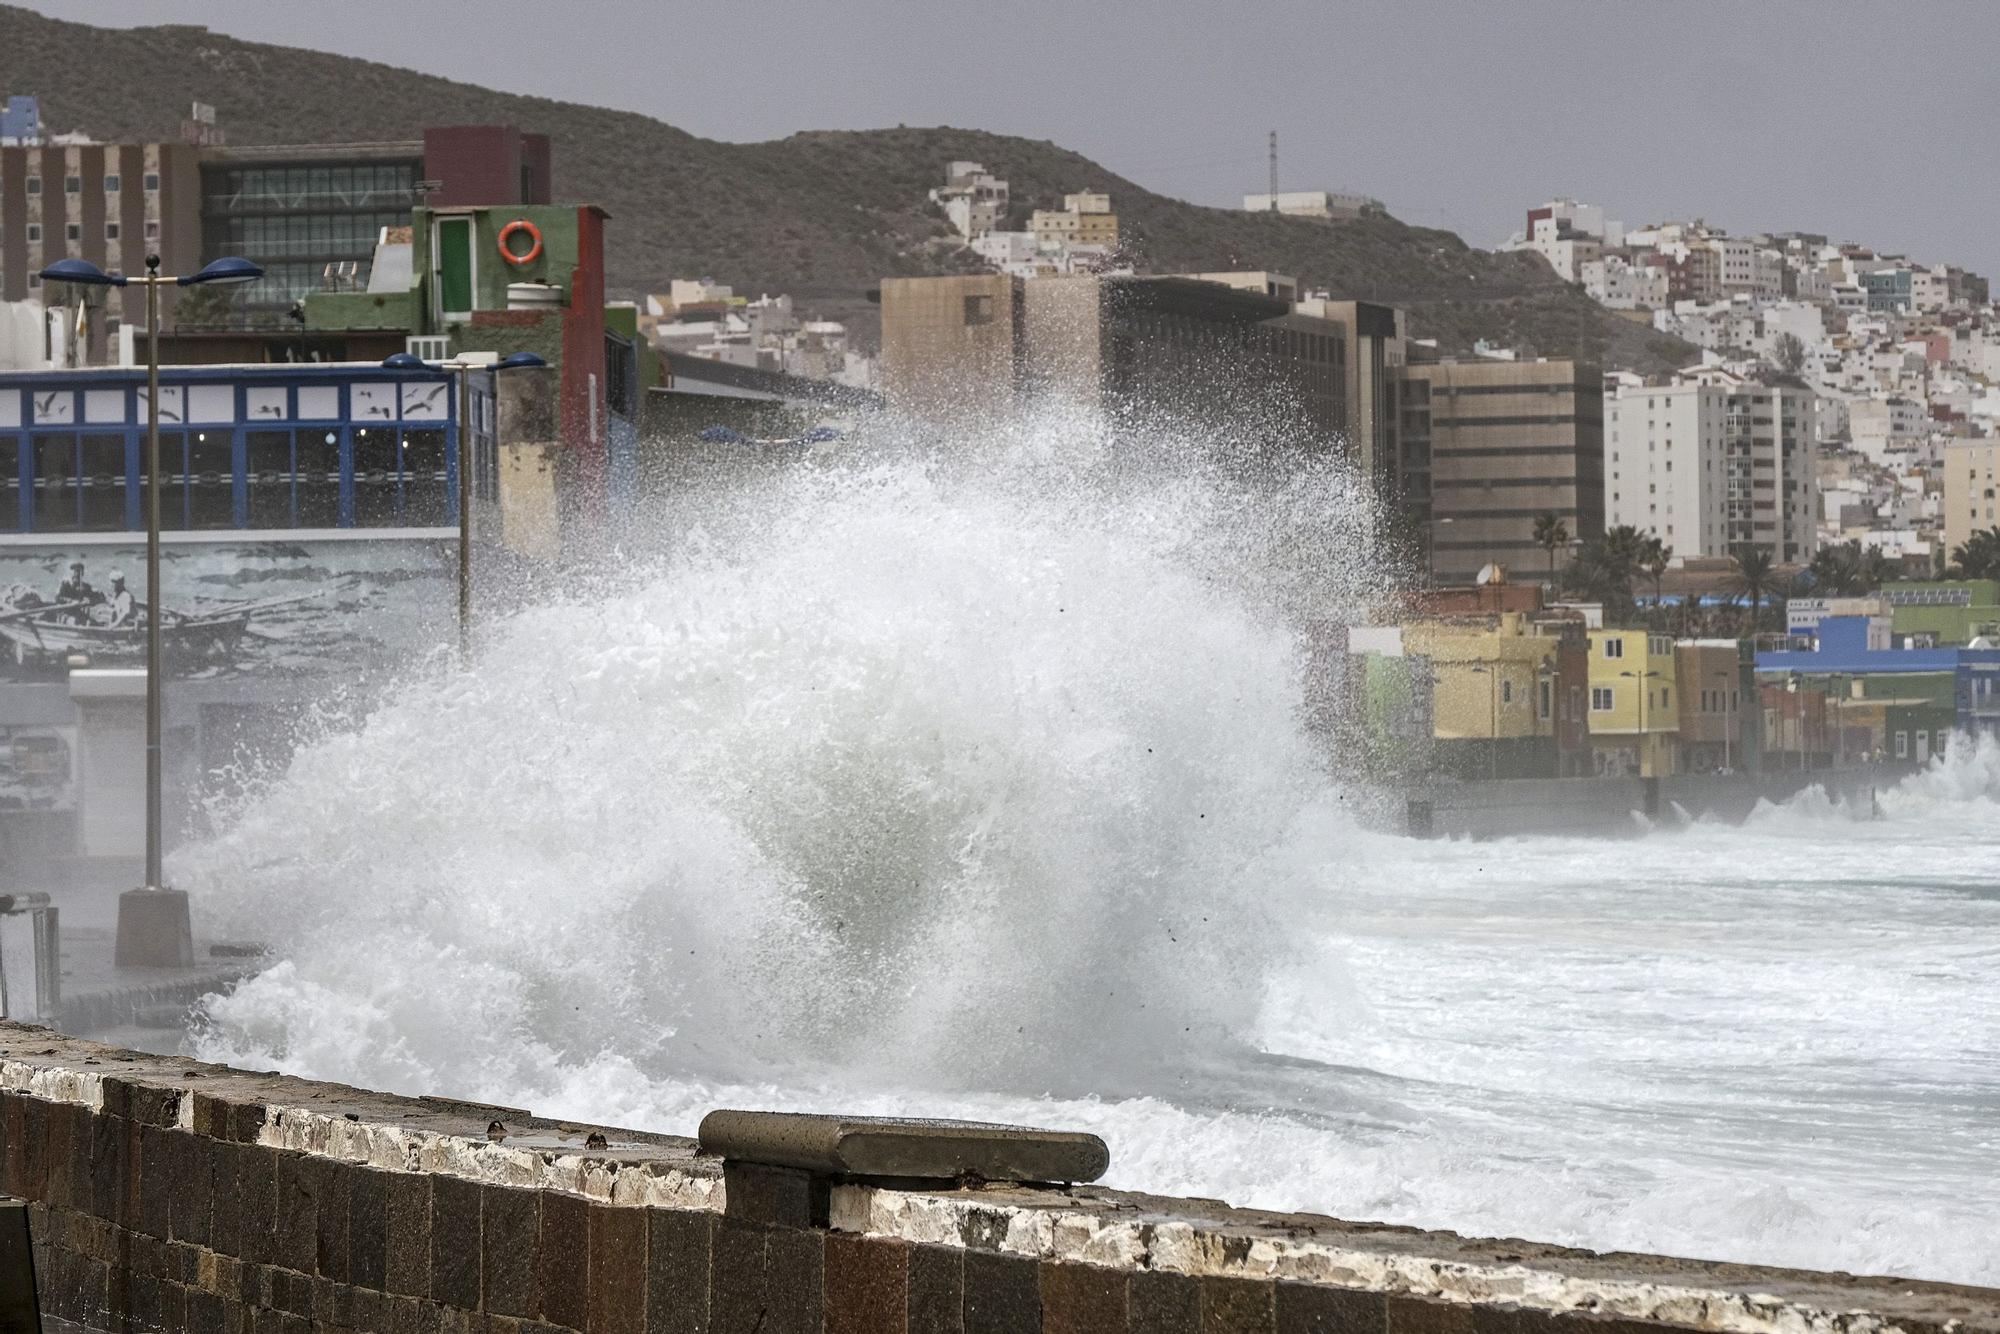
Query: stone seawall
{"points": [[1511, 807], [171, 1195]]}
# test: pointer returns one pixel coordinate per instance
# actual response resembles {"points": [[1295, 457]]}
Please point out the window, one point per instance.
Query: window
{"points": [[1600, 699], [74, 231], [34, 281], [1902, 745], [1666, 697], [72, 185], [34, 231], [1938, 748], [375, 478], [111, 231], [151, 180], [267, 479], [318, 479], [978, 310], [34, 185], [211, 480], [1614, 648], [1506, 692], [102, 502], [152, 229], [1547, 697], [424, 500], [55, 483], [112, 183]]}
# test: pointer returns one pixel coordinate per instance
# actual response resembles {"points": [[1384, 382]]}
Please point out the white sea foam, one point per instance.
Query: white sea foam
{"points": [[977, 785]]}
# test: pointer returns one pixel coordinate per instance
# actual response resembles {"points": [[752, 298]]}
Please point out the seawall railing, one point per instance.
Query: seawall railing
{"points": [[166, 1194]]}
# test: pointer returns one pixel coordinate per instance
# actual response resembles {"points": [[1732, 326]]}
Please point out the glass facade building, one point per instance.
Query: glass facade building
{"points": [[312, 223]]}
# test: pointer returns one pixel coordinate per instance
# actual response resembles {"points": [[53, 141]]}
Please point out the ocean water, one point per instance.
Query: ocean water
{"points": [[975, 783]]}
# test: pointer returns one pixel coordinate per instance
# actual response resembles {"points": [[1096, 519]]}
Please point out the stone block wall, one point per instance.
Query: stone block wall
{"points": [[169, 1195]]}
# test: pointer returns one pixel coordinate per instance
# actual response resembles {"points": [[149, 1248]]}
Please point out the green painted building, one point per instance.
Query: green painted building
{"points": [[1943, 613]]}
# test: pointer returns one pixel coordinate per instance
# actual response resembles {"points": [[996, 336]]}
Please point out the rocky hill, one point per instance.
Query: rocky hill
{"points": [[823, 215]]}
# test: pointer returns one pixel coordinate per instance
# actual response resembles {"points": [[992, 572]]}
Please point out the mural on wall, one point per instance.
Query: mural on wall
{"points": [[231, 608]]}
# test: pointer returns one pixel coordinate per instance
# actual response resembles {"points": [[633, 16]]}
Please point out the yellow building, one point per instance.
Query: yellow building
{"points": [[1970, 506], [1634, 715], [1494, 694], [1084, 219]]}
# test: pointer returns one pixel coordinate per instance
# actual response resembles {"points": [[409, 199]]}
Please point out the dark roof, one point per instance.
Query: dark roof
{"points": [[778, 384]]}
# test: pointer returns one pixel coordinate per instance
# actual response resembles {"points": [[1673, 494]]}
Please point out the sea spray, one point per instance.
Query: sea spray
{"points": [[968, 779], [965, 770]]}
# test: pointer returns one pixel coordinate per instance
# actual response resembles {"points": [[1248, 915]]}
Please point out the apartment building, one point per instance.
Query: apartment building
{"points": [[1142, 349], [1505, 442], [1711, 461], [1971, 478], [1666, 466], [111, 204]]}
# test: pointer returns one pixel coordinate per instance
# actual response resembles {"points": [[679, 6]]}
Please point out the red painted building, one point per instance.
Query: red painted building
{"points": [[485, 164]]}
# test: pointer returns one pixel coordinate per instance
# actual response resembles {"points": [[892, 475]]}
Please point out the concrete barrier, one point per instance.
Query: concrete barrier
{"points": [[1615, 806], [170, 1195]]}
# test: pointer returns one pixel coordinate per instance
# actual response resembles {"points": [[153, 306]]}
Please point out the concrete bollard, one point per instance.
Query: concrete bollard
{"points": [[20, 1309], [881, 1146], [154, 930], [1420, 818]]}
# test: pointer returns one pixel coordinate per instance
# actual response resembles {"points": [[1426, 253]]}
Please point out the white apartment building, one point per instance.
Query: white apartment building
{"points": [[1665, 462], [973, 199], [1930, 289], [1883, 423], [1711, 461], [1717, 326], [1017, 254], [1748, 268], [1971, 478], [1617, 284]]}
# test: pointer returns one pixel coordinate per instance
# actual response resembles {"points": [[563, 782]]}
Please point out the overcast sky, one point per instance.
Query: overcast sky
{"points": [[1873, 122]]}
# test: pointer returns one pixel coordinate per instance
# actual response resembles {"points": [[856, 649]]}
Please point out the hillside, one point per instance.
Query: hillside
{"points": [[823, 215]]}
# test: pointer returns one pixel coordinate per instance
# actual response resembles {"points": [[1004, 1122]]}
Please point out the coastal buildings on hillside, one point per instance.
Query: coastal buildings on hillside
{"points": [[1080, 237], [1901, 358]]}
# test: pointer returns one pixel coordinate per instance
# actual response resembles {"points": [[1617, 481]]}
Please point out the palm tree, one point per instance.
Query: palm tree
{"points": [[1847, 569], [1836, 570], [1656, 561], [1978, 557], [1551, 535], [1688, 620], [1756, 577]]}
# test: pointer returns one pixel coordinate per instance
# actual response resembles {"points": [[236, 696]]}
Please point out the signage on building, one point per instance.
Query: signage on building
{"points": [[200, 129]]}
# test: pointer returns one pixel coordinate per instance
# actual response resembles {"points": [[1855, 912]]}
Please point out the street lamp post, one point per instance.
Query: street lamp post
{"points": [[462, 371], [156, 932], [1728, 718]]}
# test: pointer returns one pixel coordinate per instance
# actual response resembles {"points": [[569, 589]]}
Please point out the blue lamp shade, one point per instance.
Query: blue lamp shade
{"points": [[515, 361], [80, 271], [403, 361], [224, 271]]}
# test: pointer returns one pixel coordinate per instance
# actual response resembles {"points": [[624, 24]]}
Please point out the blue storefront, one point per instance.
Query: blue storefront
{"points": [[264, 448]]}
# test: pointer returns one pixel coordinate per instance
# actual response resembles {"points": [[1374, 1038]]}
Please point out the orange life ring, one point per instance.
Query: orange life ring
{"points": [[508, 253]]}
